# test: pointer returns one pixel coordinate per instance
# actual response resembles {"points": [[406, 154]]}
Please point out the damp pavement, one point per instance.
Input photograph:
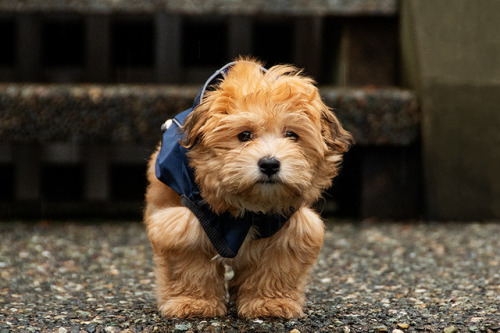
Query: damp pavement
{"points": [[371, 276]]}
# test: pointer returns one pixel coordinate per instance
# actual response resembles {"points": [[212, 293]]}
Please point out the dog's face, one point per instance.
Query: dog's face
{"points": [[263, 141]]}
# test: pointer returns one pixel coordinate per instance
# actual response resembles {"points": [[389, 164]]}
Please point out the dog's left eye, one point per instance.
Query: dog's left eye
{"points": [[245, 136], [291, 135]]}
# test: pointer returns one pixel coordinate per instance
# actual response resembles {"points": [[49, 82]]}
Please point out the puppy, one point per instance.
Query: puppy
{"points": [[232, 183]]}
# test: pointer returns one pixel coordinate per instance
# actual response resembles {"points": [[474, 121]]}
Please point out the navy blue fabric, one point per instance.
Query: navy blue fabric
{"points": [[226, 233], [172, 166]]}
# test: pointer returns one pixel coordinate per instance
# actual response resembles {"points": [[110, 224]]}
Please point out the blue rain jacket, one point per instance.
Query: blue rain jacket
{"points": [[226, 233]]}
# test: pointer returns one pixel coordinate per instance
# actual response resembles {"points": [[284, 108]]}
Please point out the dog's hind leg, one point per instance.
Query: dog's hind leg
{"points": [[271, 273], [188, 282]]}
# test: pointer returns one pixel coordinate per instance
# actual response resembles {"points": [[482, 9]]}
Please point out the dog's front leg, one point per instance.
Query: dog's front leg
{"points": [[271, 274], [188, 282]]}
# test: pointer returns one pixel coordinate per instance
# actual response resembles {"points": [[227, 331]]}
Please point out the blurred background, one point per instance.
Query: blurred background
{"points": [[85, 86]]}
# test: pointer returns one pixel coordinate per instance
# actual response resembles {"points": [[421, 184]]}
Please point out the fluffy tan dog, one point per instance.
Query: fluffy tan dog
{"points": [[261, 147]]}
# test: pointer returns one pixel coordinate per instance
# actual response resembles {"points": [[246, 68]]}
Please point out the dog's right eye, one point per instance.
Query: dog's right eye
{"points": [[245, 136]]}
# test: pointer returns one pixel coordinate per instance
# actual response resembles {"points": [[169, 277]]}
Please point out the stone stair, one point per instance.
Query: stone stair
{"points": [[81, 105]]}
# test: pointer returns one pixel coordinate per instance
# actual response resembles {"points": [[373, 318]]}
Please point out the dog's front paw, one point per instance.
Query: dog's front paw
{"points": [[187, 307], [269, 307]]}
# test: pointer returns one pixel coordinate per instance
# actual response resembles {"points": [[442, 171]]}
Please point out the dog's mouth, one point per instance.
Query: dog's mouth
{"points": [[269, 181]]}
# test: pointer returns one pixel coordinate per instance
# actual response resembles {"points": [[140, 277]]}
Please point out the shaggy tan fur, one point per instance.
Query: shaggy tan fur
{"points": [[283, 112]]}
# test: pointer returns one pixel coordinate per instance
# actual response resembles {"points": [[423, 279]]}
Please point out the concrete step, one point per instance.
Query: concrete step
{"points": [[204, 7], [132, 114], [80, 150]]}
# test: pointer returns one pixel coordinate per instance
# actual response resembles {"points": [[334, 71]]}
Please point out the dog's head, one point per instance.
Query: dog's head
{"points": [[263, 141]]}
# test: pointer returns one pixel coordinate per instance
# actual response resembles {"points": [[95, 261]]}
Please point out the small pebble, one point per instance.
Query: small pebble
{"points": [[266, 326], [378, 328], [202, 324], [450, 329], [182, 327], [403, 325], [90, 328]]}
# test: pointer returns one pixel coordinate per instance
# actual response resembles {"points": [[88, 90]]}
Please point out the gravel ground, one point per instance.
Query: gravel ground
{"points": [[370, 277]]}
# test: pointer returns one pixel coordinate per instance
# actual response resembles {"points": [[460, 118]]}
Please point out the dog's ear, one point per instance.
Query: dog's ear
{"points": [[336, 137], [193, 126]]}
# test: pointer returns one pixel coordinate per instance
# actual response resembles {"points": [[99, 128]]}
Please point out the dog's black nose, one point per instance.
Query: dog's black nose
{"points": [[269, 165]]}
